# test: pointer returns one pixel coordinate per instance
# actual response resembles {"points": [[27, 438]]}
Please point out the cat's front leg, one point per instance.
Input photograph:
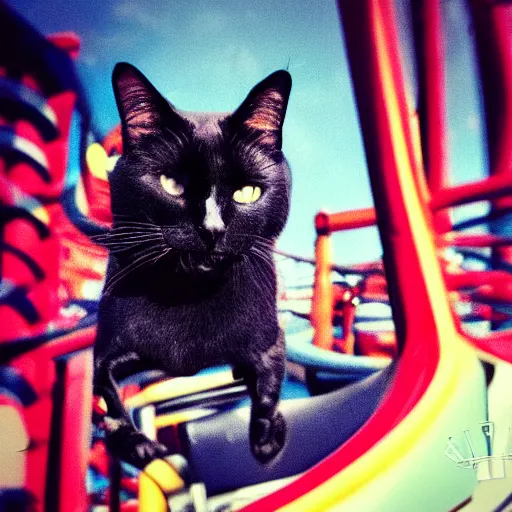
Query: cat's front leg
{"points": [[264, 378], [122, 437]]}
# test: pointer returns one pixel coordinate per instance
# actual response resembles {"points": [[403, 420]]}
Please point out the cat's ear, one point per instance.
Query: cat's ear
{"points": [[265, 107], [142, 109]]}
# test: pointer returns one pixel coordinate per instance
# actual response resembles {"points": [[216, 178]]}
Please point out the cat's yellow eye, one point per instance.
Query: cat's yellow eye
{"points": [[247, 194], [171, 186]]}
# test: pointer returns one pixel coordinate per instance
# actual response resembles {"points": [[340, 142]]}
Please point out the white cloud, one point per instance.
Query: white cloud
{"points": [[89, 58], [101, 43], [247, 63], [139, 14], [233, 61], [210, 22]]}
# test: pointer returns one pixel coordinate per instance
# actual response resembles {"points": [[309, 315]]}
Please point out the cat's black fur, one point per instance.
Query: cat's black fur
{"points": [[191, 281]]}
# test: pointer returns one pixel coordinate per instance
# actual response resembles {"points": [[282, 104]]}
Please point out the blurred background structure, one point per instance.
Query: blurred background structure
{"points": [[395, 268]]}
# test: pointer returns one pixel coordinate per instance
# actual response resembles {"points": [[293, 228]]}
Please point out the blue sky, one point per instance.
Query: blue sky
{"points": [[206, 55]]}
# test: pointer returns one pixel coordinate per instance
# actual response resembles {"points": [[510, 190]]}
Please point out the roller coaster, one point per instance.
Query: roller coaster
{"points": [[389, 361]]}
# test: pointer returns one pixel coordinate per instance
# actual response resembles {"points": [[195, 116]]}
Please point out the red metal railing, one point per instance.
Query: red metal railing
{"points": [[494, 38]]}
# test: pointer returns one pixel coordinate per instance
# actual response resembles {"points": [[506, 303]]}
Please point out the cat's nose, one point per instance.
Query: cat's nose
{"points": [[212, 235]]}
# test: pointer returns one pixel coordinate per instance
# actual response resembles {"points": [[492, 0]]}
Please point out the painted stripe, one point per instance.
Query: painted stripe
{"points": [[454, 356]]}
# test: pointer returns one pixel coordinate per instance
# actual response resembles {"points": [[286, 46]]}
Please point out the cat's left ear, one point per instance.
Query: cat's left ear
{"points": [[142, 109], [264, 108]]}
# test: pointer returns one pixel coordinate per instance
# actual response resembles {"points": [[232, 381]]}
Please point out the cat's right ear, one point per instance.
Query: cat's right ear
{"points": [[142, 109], [264, 108]]}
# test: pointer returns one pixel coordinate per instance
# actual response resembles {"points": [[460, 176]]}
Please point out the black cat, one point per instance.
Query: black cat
{"points": [[198, 203]]}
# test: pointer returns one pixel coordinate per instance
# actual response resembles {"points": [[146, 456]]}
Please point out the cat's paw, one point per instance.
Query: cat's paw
{"points": [[267, 436], [133, 447]]}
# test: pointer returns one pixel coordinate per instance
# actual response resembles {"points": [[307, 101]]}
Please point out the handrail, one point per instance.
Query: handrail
{"points": [[417, 292], [429, 42], [493, 37]]}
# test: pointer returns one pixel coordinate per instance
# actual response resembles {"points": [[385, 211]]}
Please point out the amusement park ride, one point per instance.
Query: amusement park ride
{"points": [[379, 419]]}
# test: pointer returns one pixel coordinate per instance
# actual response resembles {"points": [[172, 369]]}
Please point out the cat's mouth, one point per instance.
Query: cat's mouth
{"points": [[205, 262]]}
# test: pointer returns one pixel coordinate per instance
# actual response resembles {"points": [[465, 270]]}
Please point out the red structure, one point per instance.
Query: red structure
{"points": [[482, 290], [48, 265], [410, 210], [47, 328]]}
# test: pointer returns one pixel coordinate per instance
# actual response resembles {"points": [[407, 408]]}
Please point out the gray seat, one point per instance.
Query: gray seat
{"points": [[217, 447]]}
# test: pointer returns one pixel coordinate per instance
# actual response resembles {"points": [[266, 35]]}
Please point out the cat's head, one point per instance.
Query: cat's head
{"points": [[209, 187]]}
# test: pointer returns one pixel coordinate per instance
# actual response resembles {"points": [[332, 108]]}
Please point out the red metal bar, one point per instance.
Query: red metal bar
{"points": [[481, 312], [70, 343], [486, 189], [497, 343], [67, 41], [372, 48], [493, 35], [496, 186], [497, 293], [474, 278], [432, 109], [375, 344], [322, 305], [476, 240], [40, 373], [74, 444], [348, 315], [384, 118], [38, 367], [330, 222]]}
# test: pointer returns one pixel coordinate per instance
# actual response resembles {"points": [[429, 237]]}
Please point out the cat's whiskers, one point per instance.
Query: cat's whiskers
{"points": [[118, 244], [262, 253], [146, 250], [144, 242], [148, 256], [136, 227], [261, 279], [131, 237], [265, 249], [132, 232], [269, 246], [129, 244], [263, 257], [159, 256], [268, 243], [123, 246], [182, 262], [133, 218], [112, 235], [264, 291], [128, 215], [164, 253], [266, 167], [128, 230], [127, 220], [265, 279]]}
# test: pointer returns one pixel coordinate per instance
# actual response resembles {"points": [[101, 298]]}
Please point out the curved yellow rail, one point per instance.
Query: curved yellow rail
{"points": [[158, 480]]}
